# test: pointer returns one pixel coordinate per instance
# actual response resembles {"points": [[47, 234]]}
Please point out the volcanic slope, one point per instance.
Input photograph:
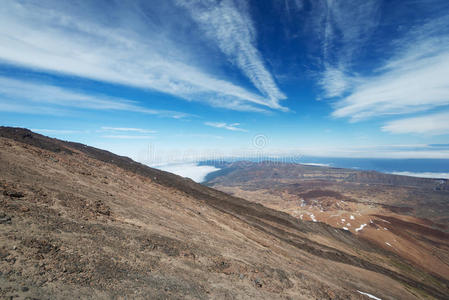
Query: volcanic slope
{"points": [[407, 216], [79, 222]]}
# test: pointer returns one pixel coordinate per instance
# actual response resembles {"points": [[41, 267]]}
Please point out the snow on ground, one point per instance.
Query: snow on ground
{"points": [[343, 220], [313, 218], [352, 217], [369, 295], [345, 228], [349, 224], [361, 227], [388, 244]]}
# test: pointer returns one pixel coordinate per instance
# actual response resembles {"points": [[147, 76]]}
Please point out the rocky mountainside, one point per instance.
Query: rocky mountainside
{"points": [[80, 222]]}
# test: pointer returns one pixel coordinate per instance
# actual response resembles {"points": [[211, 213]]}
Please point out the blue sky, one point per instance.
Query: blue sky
{"points": [[203, 78]]}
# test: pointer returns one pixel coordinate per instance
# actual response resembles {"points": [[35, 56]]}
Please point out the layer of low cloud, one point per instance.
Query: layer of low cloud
{"points": [[316, 164], [191, 170], [423, 174]]}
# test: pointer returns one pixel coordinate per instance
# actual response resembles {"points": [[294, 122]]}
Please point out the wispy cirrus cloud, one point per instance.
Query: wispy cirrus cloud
{"points": [[415, 79], [124, 44], [228, 24], [128, 129], [55, 131], [232, 127], [38, 98], [433, 124], [127, 137], [343, 28]]}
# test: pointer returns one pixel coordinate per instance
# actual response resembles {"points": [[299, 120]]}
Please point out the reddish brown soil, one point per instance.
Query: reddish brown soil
{"points": [[400, 215]]}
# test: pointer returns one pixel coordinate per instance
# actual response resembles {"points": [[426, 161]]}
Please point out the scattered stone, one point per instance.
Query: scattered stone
{"points": [[24, 208], [3, 253], [13, 194], [4, 219]]}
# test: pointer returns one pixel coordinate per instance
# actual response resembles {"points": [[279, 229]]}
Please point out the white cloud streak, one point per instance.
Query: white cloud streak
{"points": [[398, 91], [433, 124], [344, 27], [232, 127], [229, 25], [128, 137], [415, 79], [128, 129], [62, 37], [55, 131], [17, 96], [423, 174], [190, 170]]}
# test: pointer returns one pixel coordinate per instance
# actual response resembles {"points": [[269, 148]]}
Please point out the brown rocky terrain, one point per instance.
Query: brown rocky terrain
{"points": [[79, 222], [407, 216]]}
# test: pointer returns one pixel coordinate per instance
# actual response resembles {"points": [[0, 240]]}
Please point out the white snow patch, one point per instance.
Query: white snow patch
{"points": [[349, 224], [369, 295], [388, 244], [352, 217], [385, 228], [313, 218], [345, 228], [300, 217], [343, 220], [361, 227]]}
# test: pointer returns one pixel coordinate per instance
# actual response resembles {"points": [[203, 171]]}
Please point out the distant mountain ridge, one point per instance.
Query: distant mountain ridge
{"points": [[334, 173]]}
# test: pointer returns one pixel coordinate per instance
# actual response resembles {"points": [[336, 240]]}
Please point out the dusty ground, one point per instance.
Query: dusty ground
{"points": [[407, 216], [78, 222]]}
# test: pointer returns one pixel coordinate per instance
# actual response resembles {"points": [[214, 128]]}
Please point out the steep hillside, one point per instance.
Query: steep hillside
{"points": [[76, 221]]}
